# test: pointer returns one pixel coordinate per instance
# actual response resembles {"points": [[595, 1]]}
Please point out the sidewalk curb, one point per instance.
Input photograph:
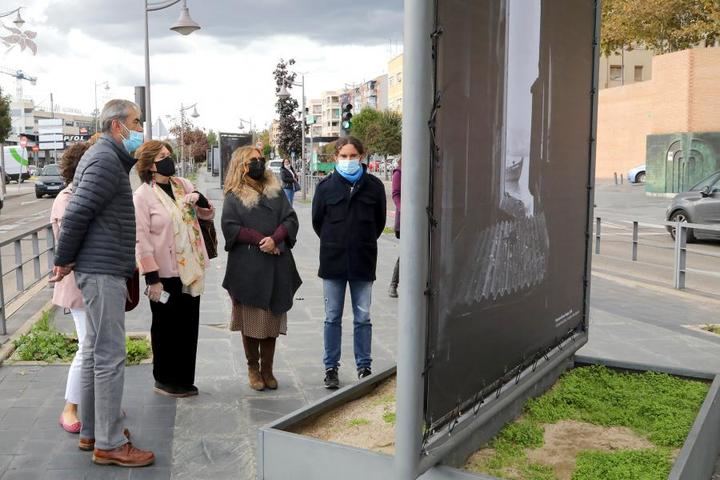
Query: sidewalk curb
{"points": [[9, 347], [642, 283]]}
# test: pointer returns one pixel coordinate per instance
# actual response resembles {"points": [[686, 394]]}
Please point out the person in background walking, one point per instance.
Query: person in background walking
{"points": [[396, 181], [260, 229], [97, 241], [171, 254], [348, 214], [66, 294], [289, 180]]}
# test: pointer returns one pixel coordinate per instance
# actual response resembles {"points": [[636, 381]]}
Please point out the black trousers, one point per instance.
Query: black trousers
{"points": [[174, 333]]}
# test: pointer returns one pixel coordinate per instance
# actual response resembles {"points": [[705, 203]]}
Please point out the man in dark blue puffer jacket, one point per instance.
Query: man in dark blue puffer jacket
{"points": [[97, 241]]}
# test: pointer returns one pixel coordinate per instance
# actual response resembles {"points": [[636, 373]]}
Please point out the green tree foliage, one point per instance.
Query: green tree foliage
{"points": [[290, 137], [380, 132], [5, 119], [661, 25], [212, 138], [196, 141], [366, 127]]}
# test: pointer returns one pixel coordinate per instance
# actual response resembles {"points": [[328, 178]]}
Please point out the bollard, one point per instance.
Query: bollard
{"points": [[597, 236], [615, 174], [680, 255], [622, 179], [635, 241]]}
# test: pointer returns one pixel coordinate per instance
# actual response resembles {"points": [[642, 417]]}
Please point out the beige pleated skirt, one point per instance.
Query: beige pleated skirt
{"points": [[257, 323]]}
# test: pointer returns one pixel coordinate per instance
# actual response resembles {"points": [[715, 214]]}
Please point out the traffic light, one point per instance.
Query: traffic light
{"points": [[346, 119]]}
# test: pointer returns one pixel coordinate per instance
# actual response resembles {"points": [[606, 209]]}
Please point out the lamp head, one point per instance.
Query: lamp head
{"points": [[283, 93], [185, 25], [195, 113], [18, 20]]}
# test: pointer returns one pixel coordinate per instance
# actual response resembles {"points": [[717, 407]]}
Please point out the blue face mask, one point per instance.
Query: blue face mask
{"points": [[348, 167], [133, 140]]}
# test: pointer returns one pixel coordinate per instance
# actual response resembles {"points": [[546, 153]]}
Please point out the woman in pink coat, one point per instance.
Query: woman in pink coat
{"points": [[171, 253], [66, 293]]}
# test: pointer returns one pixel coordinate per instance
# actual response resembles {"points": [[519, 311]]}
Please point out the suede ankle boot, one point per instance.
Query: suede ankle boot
{"points": [[267, 353], [252, 353]]}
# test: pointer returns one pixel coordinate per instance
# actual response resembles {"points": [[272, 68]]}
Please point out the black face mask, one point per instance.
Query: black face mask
{"points": [[256, 169], [166, 167]]}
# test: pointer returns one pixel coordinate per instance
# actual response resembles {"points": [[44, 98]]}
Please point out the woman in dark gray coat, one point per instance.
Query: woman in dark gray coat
{"points": [[260, 229]]}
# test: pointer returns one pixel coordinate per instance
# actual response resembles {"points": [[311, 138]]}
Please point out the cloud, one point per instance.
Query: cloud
{"points": [[327, 22]]}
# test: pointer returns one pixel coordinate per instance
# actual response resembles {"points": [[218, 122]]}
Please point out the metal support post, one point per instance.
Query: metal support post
{"points": [[36, 255], [597, 235], [148, 106], [3, 325], [19, 274], [680, 255], [417, 106], [50, 239], [636, 240]]}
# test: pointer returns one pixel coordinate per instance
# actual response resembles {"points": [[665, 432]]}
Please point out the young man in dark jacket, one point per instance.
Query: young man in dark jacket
{"points": [[348, 214], [97, 241]]}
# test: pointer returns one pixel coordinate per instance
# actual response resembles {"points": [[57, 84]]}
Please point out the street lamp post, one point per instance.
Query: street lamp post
{"points": [[184, 26], [19, 22], [194, 114], [283, 93], [97, 112]]}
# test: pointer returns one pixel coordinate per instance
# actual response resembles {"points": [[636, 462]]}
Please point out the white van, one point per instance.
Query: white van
{"points": [[16, 164]]}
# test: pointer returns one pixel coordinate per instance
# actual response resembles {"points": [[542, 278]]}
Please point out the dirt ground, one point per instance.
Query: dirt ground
{"points": [[369, 423]]}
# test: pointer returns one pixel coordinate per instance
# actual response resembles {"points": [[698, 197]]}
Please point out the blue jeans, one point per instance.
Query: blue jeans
{"points": [[361, 297], [290, 192]]}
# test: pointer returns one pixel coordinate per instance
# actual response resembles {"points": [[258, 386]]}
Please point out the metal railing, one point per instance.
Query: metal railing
{"points": [[308, 185], [679, 248], [27, 266]]}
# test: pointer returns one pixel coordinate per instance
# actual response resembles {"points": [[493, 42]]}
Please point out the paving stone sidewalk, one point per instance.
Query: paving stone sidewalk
{"points": [[213, 435]]}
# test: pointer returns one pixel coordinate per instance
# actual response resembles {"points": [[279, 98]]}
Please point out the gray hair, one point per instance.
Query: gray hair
{"points": [[116, 110]]}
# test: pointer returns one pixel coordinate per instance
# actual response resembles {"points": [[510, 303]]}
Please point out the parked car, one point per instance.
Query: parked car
{"points": [[637, 174], [374, 166], [700, 204], [275, 166], [49, 181]]}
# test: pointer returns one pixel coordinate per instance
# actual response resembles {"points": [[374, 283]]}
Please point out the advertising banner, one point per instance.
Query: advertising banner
{"points": [[229, 142], [511, 202]]}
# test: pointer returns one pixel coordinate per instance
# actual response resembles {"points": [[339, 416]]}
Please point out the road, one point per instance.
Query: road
{"points": [[618, 206], [22, 211]]}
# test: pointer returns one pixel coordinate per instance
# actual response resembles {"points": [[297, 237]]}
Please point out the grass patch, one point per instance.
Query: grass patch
{"points": [[138, 349], [389, 417], [44, 343], [357, 422], [656, 406], [640, 464], [389, 230], [712, 328]]}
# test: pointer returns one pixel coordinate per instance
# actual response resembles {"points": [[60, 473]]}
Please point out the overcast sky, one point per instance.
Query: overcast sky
{"points": [[226, 66]]}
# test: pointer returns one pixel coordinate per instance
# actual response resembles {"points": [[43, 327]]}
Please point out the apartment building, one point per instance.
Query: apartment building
{"points": [[395, 85]]}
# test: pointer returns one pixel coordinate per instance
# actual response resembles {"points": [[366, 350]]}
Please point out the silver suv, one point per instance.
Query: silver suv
{"points": [[701, 204]]}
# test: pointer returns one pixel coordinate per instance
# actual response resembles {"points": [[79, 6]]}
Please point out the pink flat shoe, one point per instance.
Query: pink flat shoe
{"points": [[74, 428]]}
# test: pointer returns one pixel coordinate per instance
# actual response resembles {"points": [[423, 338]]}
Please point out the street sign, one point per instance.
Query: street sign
{"points": [[52, 146], [23, 142], [75, 138], [51, 137]]}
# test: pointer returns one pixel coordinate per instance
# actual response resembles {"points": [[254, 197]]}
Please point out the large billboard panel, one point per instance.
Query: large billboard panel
{"points": [[229, 142], [511, 192]]}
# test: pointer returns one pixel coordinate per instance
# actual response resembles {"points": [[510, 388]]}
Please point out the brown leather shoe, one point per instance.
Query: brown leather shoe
{"points": [[125, 456], [88, 444]]}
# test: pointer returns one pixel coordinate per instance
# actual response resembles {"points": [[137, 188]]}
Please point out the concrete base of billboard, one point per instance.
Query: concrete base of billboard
{"points": [[282, 454]]}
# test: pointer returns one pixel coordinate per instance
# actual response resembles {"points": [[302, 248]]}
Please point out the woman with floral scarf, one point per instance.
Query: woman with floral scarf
{"points": [[171, 255]]}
